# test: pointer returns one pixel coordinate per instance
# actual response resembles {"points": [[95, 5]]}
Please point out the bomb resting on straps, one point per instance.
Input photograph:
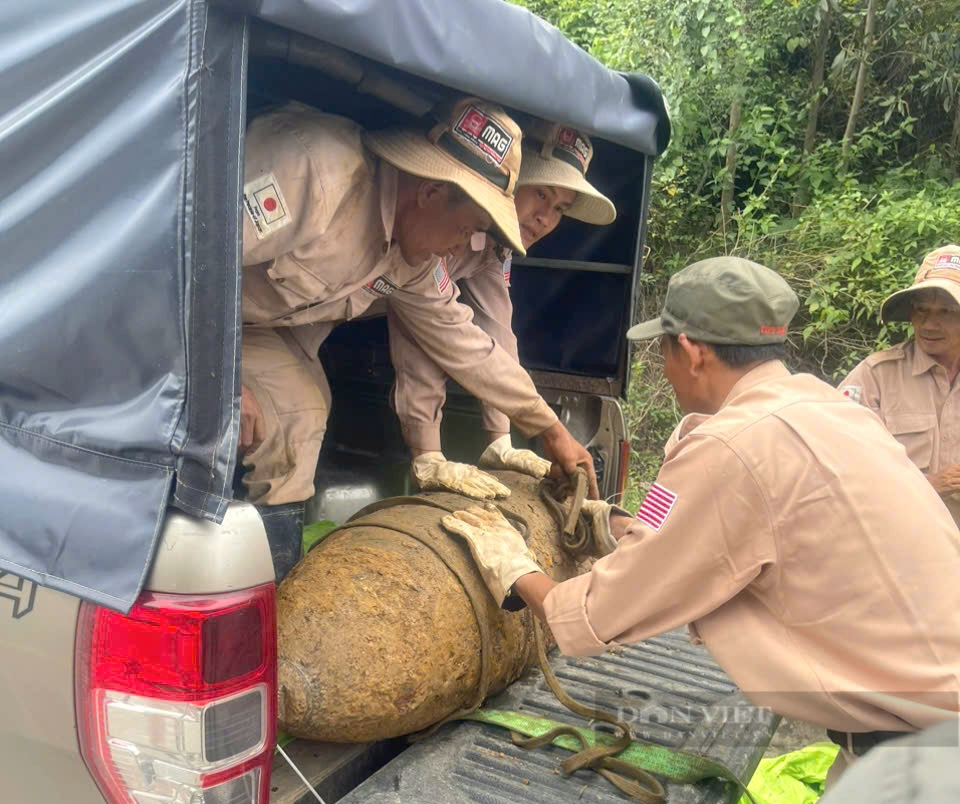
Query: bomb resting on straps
{"points": [[386, 628]]}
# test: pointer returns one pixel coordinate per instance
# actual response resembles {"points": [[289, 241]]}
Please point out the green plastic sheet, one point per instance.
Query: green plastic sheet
{"points": [[794, 778], [316, 532]]}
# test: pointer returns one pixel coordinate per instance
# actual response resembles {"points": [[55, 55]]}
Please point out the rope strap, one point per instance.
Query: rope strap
{"points": [[623, 761], [576, 535]]}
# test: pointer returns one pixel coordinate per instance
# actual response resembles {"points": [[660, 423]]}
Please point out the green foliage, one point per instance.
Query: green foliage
{"points": [[652, 413], [856, 246], [844, 231]]}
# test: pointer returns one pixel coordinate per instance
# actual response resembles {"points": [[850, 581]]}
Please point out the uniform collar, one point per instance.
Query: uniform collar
{"points": [[482, 242], [770, 370], [921, 362], [389, 179]]}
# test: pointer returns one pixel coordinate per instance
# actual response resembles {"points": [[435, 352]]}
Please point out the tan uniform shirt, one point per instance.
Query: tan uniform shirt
{"points": [[482, 278], [318, 249], [813, 559], [911, 394]]}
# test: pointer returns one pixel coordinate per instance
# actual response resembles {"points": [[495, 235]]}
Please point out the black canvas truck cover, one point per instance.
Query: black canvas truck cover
{"points": [[121, 135]]}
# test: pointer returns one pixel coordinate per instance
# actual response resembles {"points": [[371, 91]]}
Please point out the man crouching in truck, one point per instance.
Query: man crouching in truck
{"points": [[552, 184], [336, 218], [786, 526]]}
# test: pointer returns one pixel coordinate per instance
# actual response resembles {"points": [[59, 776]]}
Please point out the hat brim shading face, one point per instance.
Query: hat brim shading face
{"points": [[899, 306], [590, 205], [646, 330], [413, 153]]}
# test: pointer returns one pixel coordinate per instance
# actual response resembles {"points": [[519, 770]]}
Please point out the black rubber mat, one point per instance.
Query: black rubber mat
{"points": [[672, 692]]}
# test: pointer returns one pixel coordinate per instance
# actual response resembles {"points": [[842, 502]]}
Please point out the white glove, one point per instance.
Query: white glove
{"points": [[497, 547], [501, 455], [433, 471], [599, 513]]}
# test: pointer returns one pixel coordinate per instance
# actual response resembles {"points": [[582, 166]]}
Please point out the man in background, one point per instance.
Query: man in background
{"points": [[913, 386], [552, 184]]}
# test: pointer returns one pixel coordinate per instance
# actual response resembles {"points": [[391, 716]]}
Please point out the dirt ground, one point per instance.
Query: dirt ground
{"points": [[794, 734]]}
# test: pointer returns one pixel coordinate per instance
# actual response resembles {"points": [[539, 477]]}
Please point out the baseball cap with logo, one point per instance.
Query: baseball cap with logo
{"points": [[476, 146], [940, 270], [724, 300], [559, 156]]}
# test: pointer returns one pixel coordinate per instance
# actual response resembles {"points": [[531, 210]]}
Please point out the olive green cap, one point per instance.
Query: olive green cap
{"points": [[725, 300]]}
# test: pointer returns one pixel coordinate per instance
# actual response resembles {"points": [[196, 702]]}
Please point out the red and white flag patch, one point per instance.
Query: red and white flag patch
{"points": [[507, 267], [656, 506], [441, 277], [265, 205], [852, 392]]}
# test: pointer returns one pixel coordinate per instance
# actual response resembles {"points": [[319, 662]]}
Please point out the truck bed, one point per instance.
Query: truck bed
{"points": [[672, 692]]}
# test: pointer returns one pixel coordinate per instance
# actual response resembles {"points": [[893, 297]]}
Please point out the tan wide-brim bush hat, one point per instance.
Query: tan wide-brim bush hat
{"points": [[475, 146], [559, 156], [940, 270]]}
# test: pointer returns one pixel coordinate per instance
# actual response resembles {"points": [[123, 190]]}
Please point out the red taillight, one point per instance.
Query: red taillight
{"points": [[624, 469], [176, 701]]}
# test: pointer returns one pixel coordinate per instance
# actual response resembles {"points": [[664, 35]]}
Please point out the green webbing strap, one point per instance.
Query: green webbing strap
{"points": [[677, 766]]}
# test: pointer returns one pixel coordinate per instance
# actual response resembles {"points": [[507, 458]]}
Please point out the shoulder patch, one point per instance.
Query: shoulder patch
{"points": [[507, 266], [887, 355], [441, 277], [265, 205], [851, 392], [656, 506]]}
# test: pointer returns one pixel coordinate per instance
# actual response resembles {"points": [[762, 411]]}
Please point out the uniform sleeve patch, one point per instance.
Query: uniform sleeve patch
{"points": [[656, 506], [265, 205], [441, 277], [507, 267], [852, 392]]}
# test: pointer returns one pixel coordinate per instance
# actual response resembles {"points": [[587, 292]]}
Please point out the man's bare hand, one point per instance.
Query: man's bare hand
{"points": [[946, 481], [567, 454], [251, 421]]}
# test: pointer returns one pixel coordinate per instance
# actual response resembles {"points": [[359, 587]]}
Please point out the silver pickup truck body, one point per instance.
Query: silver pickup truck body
{"points": [[137, 622]]}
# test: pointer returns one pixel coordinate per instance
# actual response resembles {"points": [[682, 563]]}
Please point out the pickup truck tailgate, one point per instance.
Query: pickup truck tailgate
{"points": [[672, 692]]}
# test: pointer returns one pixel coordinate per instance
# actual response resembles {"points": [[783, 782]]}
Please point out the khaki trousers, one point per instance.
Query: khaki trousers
{"points": [[294, 395]]}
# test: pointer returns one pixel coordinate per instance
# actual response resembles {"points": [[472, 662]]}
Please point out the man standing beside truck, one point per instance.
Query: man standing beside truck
{"points": [[552, 184], [913, 386], [336, 218], [786, 527]]}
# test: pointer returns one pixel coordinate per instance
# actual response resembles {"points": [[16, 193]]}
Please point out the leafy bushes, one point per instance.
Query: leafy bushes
{"points": [[852, 248], [804, 139]]}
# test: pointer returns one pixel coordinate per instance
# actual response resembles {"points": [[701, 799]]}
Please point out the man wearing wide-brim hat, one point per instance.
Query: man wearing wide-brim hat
{"points": [[786, 527], [913, 386], [336, 218], [552, 184]]}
